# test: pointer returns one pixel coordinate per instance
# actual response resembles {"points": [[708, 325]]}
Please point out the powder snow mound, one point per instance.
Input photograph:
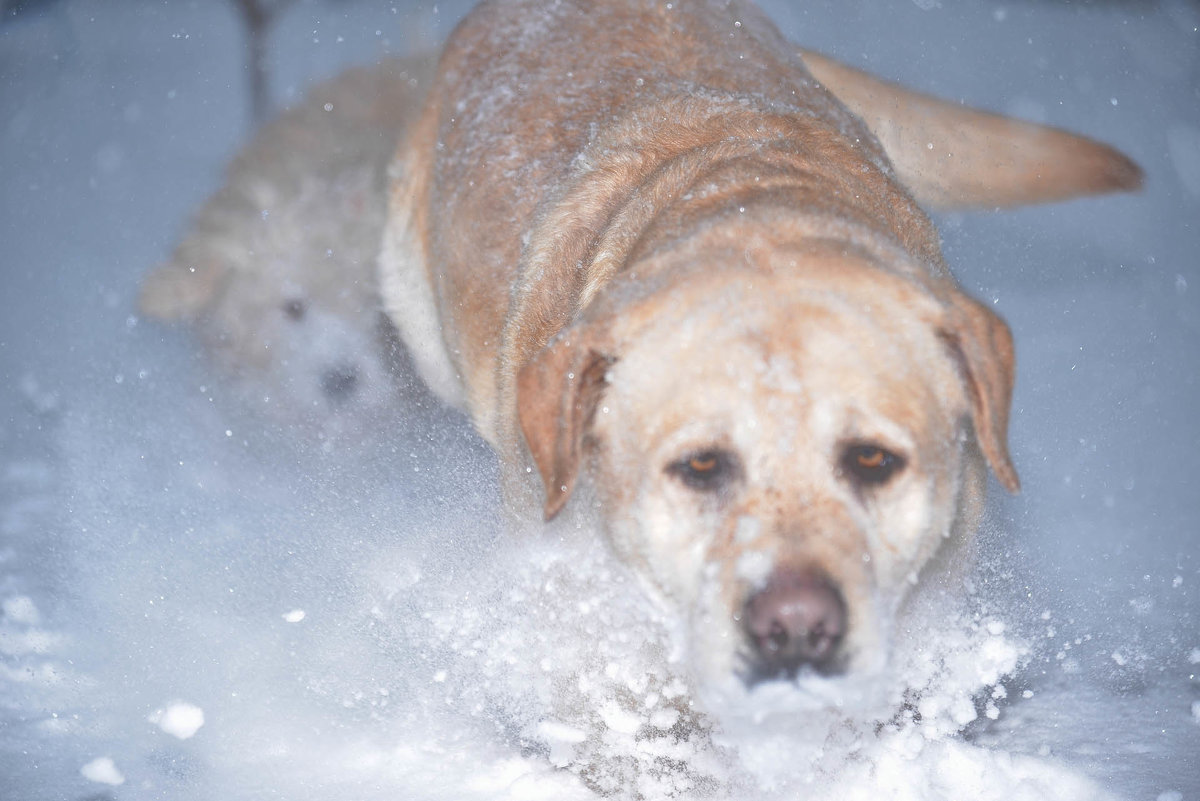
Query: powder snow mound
{"points": [[907, 769], [552, 645]]}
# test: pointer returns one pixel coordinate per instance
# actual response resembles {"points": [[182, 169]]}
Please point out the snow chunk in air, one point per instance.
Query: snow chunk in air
{"points": [[102, 770], [179, 719]]}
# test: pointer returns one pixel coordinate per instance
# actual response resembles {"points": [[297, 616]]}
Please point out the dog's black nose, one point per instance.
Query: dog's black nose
{"points": [[798, 619], [340, 382]]}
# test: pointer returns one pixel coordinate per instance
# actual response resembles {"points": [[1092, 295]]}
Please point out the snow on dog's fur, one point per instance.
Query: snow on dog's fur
{"points": [[547, 644], [277, 272], [688, 297]]}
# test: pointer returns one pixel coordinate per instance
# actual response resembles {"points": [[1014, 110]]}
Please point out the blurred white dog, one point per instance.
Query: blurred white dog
{"points": [[277, 272]]}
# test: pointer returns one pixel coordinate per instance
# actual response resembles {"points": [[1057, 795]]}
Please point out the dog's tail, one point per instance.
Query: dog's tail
{"points": [[954, 157]]}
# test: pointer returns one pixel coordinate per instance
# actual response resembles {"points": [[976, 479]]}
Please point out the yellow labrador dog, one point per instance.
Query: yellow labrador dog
{"points": [[667, 270]]}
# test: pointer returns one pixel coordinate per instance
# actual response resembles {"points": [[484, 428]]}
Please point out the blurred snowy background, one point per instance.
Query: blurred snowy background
{"points": [[195, 607]]}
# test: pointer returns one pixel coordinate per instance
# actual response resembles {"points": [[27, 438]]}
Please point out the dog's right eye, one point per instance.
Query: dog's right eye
{"points": [[705, 471], [870, 465], [295, 309]]}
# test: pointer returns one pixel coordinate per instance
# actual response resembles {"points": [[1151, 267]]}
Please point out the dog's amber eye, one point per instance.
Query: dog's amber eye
{"points": [[870, 458], [705, 471], [295, 309], [870, 465]]}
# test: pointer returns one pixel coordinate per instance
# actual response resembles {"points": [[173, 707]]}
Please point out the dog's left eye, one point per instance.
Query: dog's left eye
{"points": [[870, 465], [705, 471]]}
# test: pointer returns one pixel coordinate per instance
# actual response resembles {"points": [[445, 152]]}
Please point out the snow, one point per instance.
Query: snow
{"points": [[179, 719], [20, 609], [196, 606], [102, 770]]}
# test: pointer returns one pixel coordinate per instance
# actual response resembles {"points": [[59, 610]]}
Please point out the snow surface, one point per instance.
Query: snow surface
{"points": [[349, 624]]}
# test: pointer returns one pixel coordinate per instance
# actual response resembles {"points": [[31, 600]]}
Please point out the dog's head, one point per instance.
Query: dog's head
{"points": [[777, 452], [281, 289]]}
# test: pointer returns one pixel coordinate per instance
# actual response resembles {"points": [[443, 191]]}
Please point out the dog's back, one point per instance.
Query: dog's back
{"points": [[540, 125]]}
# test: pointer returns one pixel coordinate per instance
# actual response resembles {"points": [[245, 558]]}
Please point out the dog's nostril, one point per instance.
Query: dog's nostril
{"points": [[797, 619], [339, 382]]}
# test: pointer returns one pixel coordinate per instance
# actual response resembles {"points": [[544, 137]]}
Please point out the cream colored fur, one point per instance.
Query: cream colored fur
{"points": [[631, 237]]}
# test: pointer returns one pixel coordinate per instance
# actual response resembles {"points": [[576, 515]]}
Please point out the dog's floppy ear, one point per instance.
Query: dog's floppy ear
{"points": [[982, 345], [953, 157], [177, 292], [557, 395]]}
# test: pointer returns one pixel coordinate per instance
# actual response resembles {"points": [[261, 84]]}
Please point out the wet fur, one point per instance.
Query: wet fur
{"points": [[674, 238]]}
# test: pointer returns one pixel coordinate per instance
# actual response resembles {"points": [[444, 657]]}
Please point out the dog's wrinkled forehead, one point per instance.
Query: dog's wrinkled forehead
{"points": [[778, 358]]}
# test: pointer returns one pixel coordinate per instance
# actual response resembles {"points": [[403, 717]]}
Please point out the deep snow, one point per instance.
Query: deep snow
{"points": [[195, 607]]}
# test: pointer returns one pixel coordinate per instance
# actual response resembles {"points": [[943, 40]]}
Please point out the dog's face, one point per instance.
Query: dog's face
{"points": [[301, 352], [779, 454], [285, 301]]}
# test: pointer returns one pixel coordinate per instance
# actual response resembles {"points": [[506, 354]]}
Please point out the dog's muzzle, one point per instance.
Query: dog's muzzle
{"points": [[797, 620]]}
